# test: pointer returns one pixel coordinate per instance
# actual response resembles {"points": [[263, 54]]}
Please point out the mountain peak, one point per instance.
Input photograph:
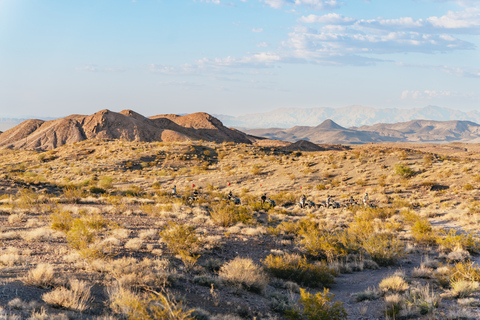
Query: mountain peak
{"points": [[329, 124]]}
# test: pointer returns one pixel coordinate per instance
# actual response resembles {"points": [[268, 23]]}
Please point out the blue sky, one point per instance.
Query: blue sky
{"points": [[236, 56]]}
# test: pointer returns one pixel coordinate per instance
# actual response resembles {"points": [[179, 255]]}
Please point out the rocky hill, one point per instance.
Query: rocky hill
{"points": [[351, 116], [411, 131], [129, 125]]}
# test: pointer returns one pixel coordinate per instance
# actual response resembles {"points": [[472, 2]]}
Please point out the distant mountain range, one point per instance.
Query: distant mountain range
{"points": [[352, 116], [427, 131]]}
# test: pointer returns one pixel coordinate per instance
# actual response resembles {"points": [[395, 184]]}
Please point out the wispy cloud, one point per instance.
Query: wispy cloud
{"points": [[95, 68], [309, 4], [257, 30], [467, 72]]}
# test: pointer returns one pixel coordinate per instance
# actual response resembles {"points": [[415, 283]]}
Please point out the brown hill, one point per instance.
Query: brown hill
{"points": [[127, 124], [303, 145]]}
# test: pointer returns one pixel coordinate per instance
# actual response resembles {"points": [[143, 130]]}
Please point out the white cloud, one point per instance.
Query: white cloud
{"points": [[257, 30], [309, 4], [467, 19], [262, 45], [331, 18]]}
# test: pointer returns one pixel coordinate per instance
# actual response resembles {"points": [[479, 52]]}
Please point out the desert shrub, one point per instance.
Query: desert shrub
{"points": [[96, 190], [27, 198], [256, 169], [226, 214], [61, 220], [410, 216], [368, 294], [384, 248], [318, 307], [145, 274], [106, 183], [149, 307], [319, 243], [180, 238], [283, 197], [468, 187], [452, 240], [73, 194], [403, 170], [424, 298], [293, 228], [76, 297], [244, 273], [422, 232], [295, 268], [134, 191], [42, 276], [280, 302], [393, 305], [464, 271], [393, 284], [463, 288], [375, 213], [83, 233]]}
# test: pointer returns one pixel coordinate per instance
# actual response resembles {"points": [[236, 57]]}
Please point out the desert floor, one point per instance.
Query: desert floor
{"points": [[91, 230]]}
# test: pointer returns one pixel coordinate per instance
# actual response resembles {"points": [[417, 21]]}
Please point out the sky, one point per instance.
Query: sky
{"points": [[236, 57]]}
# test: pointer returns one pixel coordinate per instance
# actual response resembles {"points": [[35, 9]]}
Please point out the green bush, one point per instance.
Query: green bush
{"points": [[61, 220], [384, 248], [321, 244], [422, 232], [451, 240], [295, 268], [226, 214], [403, 170], [318, 307], [180, 238]]}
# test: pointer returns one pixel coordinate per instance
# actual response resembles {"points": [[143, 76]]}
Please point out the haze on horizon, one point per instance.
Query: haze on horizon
{"points": [[236, 56]]}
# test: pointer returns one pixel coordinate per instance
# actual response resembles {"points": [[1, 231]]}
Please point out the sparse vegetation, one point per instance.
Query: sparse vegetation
{"points": [[110, 219]]}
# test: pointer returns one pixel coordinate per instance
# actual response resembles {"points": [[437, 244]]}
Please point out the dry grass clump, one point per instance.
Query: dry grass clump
{"points": [[147, 307], [12, 258], [148, 273], [134, 244], [244, 273], [393, 284], [295, 268], [368, 294], [150, 234], [42, 276], [76, 297], [16, 218], [422, 272], [39, 234], [463, 288]]}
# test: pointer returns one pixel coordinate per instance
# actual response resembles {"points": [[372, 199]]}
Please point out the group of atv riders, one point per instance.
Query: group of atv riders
{"points": [[303, 203]]}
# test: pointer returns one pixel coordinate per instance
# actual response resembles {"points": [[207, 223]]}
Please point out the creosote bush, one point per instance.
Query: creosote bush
{"points": [[226, 214], [384, 248], [404, 170], [295, 268], [318, 307]]}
